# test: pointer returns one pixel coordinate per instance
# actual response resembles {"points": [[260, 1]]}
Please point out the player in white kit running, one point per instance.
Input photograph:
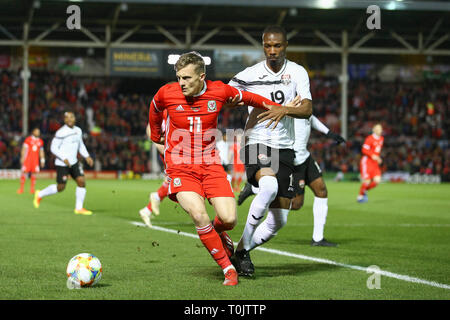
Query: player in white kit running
{"points": [[66, 144], [307, 172]]}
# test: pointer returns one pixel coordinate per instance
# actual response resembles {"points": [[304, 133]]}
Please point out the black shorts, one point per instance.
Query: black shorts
{"points": [[62, 173], [257, 156], [306, 173]]}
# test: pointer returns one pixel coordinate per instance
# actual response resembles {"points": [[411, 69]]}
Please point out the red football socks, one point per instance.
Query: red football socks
{"points": [[22, 181], [212, 242], [163, 190], [33, 182], [365, 187], [372, 185]]}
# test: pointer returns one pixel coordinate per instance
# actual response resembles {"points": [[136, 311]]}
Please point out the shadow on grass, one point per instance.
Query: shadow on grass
{"points": [[290, 269], [97, 286], [270, 271], [101, 285]]}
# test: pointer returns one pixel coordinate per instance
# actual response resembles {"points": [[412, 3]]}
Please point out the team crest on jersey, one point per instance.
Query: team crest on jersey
{"points": [[262, 157], [176, 182], [301, 184], [212, 107], [286, 79]]}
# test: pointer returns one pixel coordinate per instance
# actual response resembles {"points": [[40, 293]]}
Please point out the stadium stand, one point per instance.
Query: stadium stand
{"points": [[414, 117]]}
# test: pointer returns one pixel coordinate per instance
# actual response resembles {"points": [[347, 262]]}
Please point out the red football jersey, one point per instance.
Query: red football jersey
{"points": [[191, 125], [33, 145], [372, 145]]}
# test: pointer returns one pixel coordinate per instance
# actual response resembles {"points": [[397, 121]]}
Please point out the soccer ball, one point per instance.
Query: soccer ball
{"points": [[83, 270]]}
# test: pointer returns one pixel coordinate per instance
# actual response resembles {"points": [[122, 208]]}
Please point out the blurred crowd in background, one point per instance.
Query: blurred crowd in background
{"points": [[414, 117]]}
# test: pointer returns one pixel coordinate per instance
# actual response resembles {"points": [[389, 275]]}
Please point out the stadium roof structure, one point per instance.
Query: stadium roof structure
{"points": [[407, 27]]}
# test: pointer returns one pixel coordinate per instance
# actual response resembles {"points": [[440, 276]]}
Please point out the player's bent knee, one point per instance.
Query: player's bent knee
{"points": [[225, 208], [199, 217], [296, 204], [322, 193], [277, 219], [268, 185]]}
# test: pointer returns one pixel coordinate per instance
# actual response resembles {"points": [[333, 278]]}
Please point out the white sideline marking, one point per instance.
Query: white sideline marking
{"points": [[406, 225], [345, 225], [319, 260]]}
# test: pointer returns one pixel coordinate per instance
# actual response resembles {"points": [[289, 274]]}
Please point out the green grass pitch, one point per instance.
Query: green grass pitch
{"points": [[403, 229]]}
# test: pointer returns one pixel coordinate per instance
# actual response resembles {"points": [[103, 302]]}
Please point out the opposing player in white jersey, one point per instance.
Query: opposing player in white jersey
{"points": [[268, 154], [306, 172], [66, 144]]}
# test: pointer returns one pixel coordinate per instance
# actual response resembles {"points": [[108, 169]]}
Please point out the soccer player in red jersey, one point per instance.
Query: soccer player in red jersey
{"points": [[192, 164], [32, 151], [370, 161]]}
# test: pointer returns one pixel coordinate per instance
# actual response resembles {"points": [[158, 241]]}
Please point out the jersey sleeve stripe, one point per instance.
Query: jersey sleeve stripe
{"points": [[240, 95], [156, 107], [255, 83]]}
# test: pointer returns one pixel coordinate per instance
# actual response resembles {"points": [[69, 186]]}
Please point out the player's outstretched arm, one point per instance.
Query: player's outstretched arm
{"points": [[147, 130], [233, 102], [319, 126], [42, 157], [339, 139], [83, 151], [155, 119], [301, 110], [23, 152]]}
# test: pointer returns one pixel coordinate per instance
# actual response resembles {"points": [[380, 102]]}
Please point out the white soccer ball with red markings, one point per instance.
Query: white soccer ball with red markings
{"points": [[83, 270]]}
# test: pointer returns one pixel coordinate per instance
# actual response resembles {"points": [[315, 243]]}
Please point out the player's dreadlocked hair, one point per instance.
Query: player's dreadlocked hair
{"points": [[192, 57], [275, 29]]}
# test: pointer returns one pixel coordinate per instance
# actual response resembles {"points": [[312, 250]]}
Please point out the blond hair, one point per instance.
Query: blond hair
{"points": [[192, 57]]}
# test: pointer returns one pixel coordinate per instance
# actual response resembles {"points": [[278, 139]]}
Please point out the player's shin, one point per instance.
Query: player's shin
{"points": [[212, 242], [268, 188], [163, 191], [372, 185], [363, 188], [320, 211], [80, 194], [51, 189], [22, 183], [32, 182], [276, 219]]}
